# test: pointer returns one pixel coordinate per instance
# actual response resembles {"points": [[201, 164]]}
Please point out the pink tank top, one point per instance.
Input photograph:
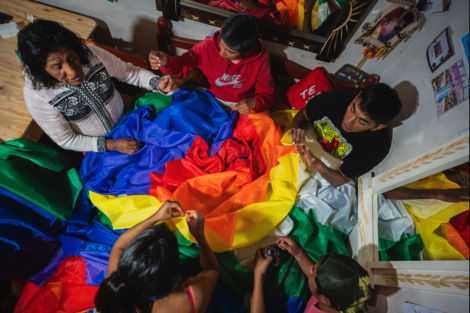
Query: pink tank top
{"points": [[311, 306], [193, 308]]}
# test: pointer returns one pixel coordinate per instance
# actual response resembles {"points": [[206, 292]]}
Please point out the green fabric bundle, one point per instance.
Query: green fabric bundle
{"points": [[40, 174]]}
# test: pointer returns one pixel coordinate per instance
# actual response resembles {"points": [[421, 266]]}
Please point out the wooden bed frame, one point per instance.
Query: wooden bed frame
{"points": [[279, 66]]}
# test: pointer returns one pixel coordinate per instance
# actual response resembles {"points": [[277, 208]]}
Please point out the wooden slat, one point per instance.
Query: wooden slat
{"points": [[15, 119], [436, 160]]}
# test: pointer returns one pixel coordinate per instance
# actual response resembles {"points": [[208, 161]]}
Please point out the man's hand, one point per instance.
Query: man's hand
{"points": [[458, 177], [167, 84], [123, 145], [195, 222], [261, 264], [245, 106], [453, 195], [311, 160], [168, 210], [297, 135], [288, 244], [158, 59]]}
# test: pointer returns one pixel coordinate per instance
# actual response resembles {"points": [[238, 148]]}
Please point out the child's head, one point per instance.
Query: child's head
{"points": [[339, 282], [145, 270], [238, 36]]}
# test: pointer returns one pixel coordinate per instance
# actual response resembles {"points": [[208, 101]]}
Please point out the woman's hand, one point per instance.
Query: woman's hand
{"points": [[158, 59], [168, 210], [286, 243], [261, 264], [195, 222], [123, 145], [167, 84]]}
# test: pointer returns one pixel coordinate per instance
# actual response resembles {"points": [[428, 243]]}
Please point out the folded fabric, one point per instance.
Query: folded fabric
{"points": [[155, 100], [234, 218], [394, 220], [115, 173], [424, 208], [407, 248], [437, 246], [454, 239], [40, 174], [194, 112], [461, 224], [65, 291]]}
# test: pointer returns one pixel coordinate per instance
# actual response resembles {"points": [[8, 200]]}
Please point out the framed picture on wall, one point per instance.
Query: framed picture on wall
{"points": [[439, 51]]}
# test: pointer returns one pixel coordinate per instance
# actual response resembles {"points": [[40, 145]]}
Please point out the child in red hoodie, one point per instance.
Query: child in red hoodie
{"points": [[234, 62]]}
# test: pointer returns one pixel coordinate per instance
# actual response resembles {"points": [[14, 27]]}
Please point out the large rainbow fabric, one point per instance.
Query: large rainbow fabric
{"points": [[241, 172]]}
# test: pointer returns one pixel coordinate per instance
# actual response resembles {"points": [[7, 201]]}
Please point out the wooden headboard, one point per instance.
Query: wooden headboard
{"points": [[279, 66]]}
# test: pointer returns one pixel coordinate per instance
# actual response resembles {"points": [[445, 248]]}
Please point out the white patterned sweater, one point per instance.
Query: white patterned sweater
{"points": [[77, 117]]}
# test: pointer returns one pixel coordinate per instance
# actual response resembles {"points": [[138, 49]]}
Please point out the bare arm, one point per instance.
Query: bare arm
{"points": [[297, 132], [305, 263], [204, 283], [308, 8], [168, 210], [448, 195], [261, 266]]}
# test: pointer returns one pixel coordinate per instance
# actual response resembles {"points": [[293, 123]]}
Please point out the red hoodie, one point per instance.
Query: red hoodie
{"points": [[269, 14], [250, 78]]}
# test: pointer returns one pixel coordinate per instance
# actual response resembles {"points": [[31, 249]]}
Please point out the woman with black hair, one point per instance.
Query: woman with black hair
{"points": [[69, 91], [142, 265]]}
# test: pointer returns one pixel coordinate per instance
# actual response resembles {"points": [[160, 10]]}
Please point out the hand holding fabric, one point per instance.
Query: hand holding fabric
{"points": [[167, 84], [288, 244], [157, 59], [297, 135], [311, 160], [195, 222], [261, 264], [245, 106], [168, 210], [123, 145]]}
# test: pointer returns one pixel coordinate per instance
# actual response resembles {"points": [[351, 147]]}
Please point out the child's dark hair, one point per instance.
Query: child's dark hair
{"points": [[321, 292], [240, 33], [380, 102], [41, 38], [145, 270]]}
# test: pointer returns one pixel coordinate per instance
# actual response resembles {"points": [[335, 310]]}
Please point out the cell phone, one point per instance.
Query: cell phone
{"points": [[5, 18]]}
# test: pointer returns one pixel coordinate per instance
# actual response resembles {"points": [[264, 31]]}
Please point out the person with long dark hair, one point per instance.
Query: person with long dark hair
{"points": [[141, 274], [69, 91]]}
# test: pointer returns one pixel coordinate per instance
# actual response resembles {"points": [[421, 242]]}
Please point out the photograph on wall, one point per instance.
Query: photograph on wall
{"points": [[450, 88], [430, 6], [439, 51], [466, 46]]}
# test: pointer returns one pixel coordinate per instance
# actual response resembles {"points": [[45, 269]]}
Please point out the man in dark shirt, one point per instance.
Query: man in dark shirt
{"points": [[349, 126]]}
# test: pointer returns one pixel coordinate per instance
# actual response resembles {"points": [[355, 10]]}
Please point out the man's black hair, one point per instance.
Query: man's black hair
{"points": [[145, 270], [41, 38], [240, 33], [380, 102]]}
